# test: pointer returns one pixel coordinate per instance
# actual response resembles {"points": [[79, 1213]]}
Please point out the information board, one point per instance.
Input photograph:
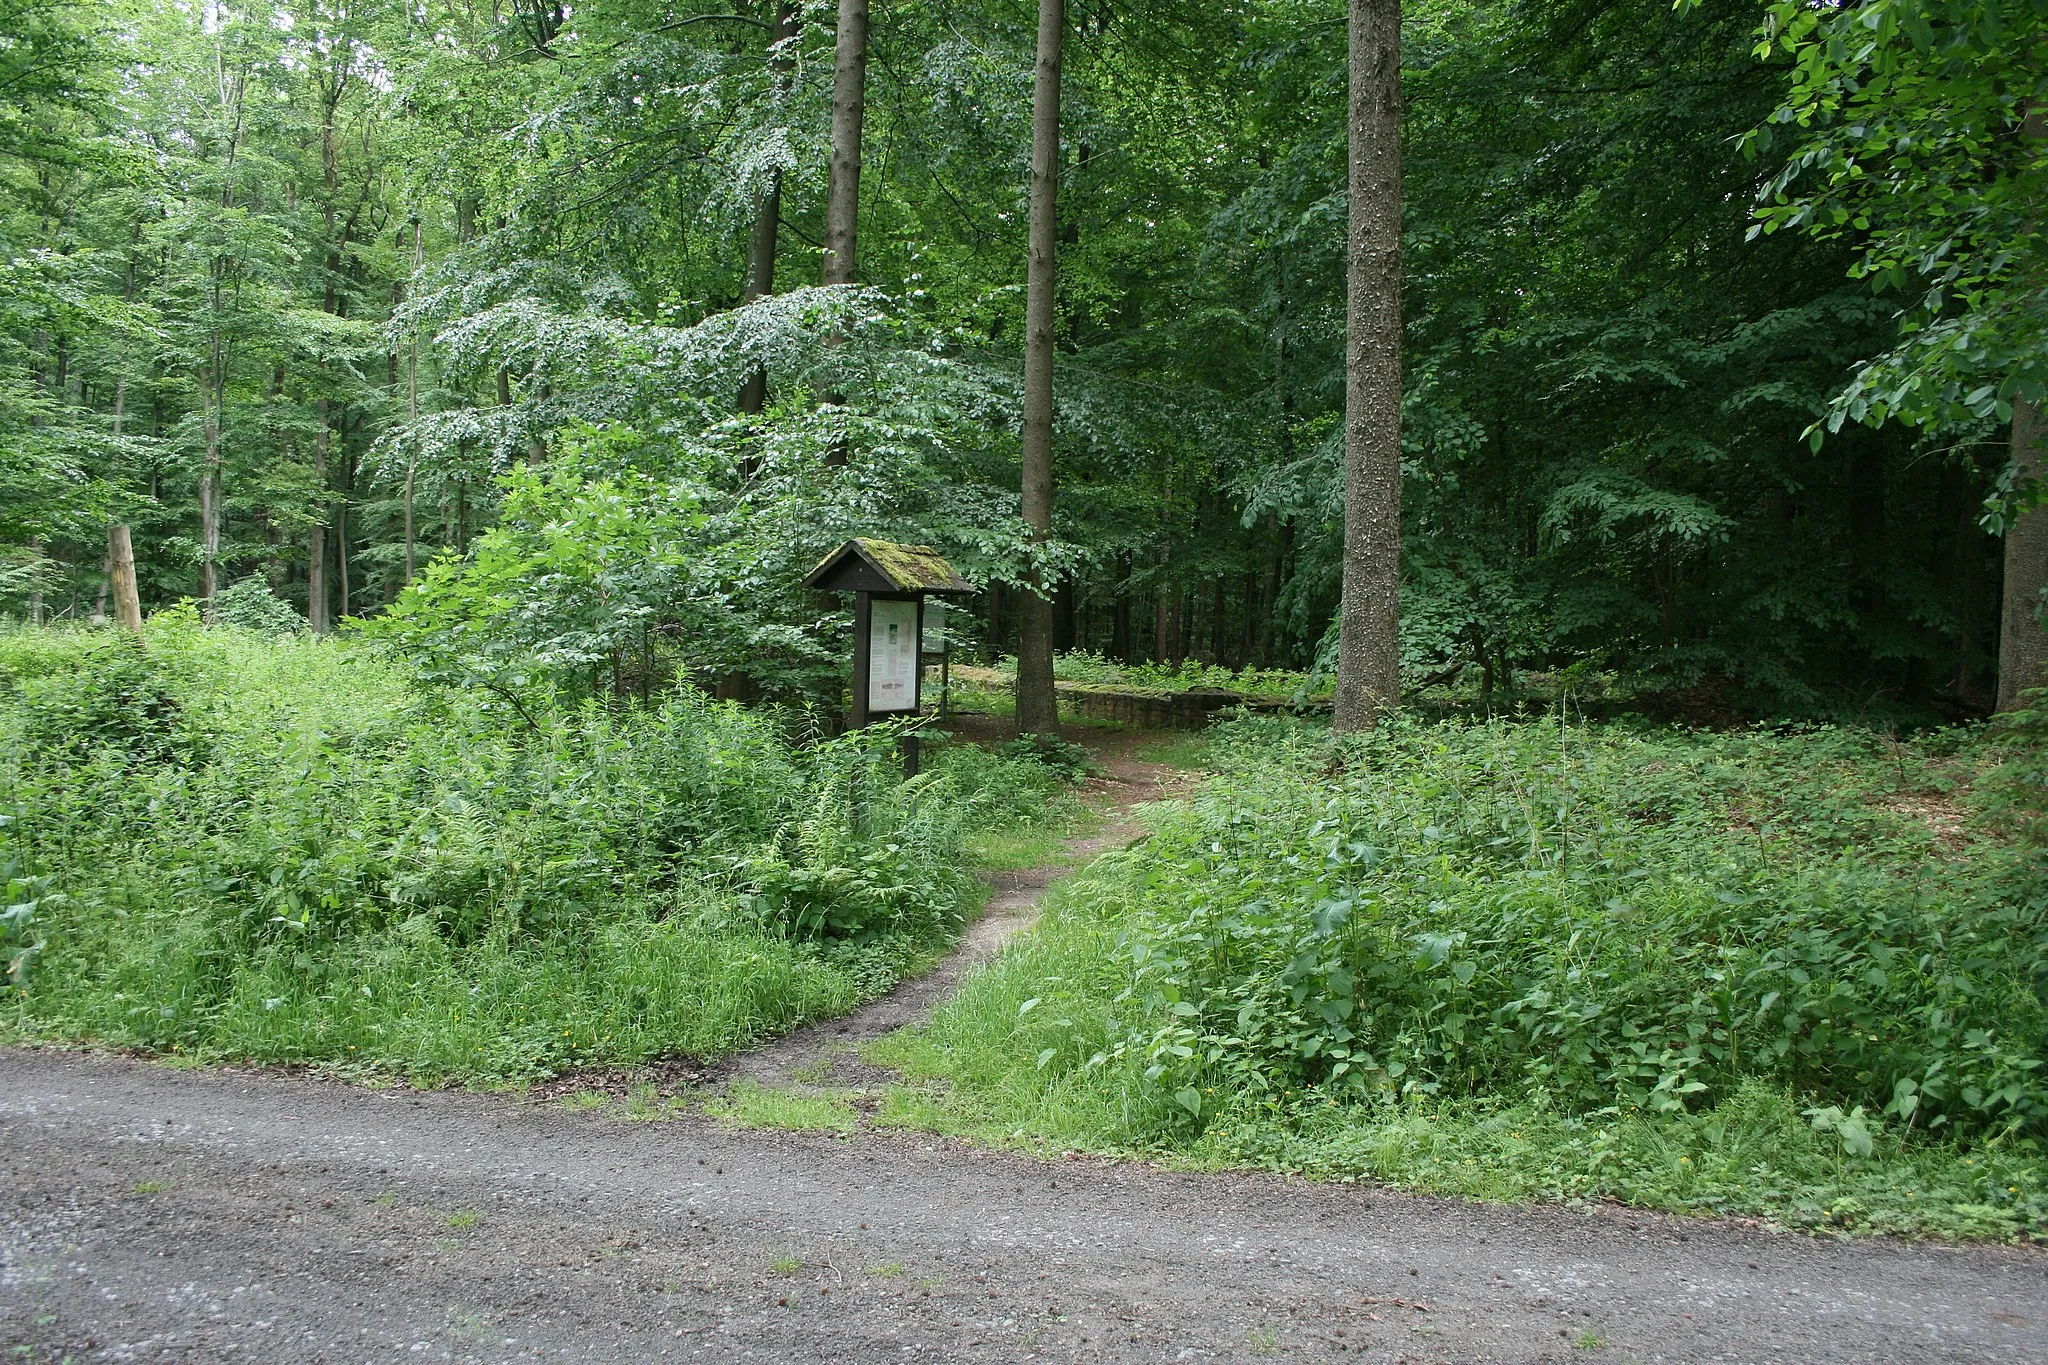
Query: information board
{"points": [[934, 626], [892, 655]]}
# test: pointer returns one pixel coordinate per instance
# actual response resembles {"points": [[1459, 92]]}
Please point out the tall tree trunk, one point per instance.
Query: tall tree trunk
{"points": [[1037, 704], [766, 231], [2022, 643], [317, 605], [1368, 645], [849, 97], [842, 195]]}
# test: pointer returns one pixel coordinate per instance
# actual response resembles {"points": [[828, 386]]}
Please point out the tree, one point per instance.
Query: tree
{"points": [[849, 95], [1037, 703], [1369, 644], [1917, 127], [766, 232]]}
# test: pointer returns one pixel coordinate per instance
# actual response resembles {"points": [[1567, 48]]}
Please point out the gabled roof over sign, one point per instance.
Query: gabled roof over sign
{"points": [[866, 565]]}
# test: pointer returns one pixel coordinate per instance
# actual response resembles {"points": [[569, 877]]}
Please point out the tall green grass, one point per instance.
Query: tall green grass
{"points": [[1764, 971], [234, 845]]}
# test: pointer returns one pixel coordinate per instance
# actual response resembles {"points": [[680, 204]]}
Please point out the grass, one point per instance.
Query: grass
{"points": [[1764, 974], [1190, 750], [749, 1104], [241, 847]]}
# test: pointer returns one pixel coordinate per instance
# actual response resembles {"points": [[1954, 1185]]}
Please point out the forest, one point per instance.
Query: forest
{"points": [[328, 300], [1605, 438]]}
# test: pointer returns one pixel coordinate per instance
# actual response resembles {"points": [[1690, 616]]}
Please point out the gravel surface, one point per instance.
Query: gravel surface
{"points": [[153, 1214]]}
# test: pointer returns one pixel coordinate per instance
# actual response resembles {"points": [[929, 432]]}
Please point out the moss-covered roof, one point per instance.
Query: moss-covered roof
{"points": [[905, 568]]}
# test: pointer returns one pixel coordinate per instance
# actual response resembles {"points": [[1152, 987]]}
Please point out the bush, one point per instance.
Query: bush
{"points": [[1700, 971], [251, 605], [275, 847], [1608, 918]]}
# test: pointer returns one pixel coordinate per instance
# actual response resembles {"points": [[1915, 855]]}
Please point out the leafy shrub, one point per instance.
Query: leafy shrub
{"points": [[1071, 761], [20, 896], [1606, 918], [77, 694], [2015, 792], [325, 863], [1687, 971], [1593, 921], [251, 605]]}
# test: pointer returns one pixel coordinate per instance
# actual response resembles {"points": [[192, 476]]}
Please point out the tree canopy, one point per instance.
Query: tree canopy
{"points": [[447, 314]]}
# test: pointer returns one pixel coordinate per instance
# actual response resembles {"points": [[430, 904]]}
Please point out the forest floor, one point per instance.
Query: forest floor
{"points": [[156, 1214]]}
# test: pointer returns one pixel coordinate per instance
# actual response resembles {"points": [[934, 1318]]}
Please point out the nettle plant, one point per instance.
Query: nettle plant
{"points": [[1601, 922]]}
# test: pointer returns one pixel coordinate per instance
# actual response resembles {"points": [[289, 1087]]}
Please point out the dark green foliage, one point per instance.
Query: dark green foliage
{"points": [[1608, 376]]}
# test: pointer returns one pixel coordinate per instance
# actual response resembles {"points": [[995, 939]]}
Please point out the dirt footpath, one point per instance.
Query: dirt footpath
{"points": [[157, 1215]]}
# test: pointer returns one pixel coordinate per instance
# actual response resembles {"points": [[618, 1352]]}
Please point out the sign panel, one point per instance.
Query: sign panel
{"points": [[934, 627], [892, 655]]}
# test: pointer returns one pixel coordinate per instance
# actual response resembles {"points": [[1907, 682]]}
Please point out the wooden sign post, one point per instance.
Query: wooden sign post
{"points": [[889, 583]]}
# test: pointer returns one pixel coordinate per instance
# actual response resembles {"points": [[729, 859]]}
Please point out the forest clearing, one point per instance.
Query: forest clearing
{"points": [[1002, 680]]}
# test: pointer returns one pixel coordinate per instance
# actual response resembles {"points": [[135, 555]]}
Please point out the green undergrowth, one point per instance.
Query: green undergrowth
{"points": [[749, 1104], [239, 846], [1793, 974]]}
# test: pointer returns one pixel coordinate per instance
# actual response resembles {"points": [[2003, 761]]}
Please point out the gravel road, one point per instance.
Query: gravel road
{"points": [[153, 1214]]}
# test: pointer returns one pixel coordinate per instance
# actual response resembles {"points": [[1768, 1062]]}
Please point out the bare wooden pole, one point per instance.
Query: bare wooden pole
{"points": [[121, 570]]}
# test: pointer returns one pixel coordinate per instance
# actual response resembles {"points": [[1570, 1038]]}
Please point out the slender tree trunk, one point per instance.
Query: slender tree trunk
{"points": [[760, 283], [766, 232], [412, 406], [317, 605], [1368, 648], [842, 195], [849, 97], [341, 551], [120, 412], [316, 536], [210, 494], [35, 591], [1037, 704], [2022, 643]]}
